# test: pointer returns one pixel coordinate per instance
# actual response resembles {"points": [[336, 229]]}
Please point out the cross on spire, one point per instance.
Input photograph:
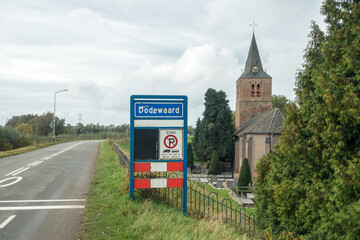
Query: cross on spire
{"points": [[253, 25]]}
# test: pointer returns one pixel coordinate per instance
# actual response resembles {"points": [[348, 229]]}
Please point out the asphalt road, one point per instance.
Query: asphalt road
{"points": [[43, 193]]}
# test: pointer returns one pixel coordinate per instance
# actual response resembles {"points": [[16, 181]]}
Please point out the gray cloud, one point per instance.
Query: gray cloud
{"points": [[104, 51]]}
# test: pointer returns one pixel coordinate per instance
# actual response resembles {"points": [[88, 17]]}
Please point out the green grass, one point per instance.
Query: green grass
{"points": [[124, 145], [25, 149], [111, 214]]}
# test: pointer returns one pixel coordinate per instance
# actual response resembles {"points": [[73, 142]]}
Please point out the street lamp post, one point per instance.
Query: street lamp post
{"points": [[55, 109]]}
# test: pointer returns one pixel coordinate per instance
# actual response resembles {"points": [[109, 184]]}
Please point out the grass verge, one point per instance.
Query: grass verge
{"points": [[25, 149], [111, 214]]}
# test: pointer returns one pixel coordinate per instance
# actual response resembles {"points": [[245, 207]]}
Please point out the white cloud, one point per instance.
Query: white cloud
{"points": [[104, 51], [198, 69]]}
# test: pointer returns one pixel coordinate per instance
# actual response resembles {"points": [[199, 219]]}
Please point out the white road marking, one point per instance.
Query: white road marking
{"points": [[45, 158], [37, 163], [14, 171], [42, 207], [6, 222], [34, 163], [49, 200], [17, 179], [23, 170]]}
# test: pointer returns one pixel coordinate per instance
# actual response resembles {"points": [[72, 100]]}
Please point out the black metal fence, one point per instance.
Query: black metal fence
{"points": [[201, 202], [123, 159]]}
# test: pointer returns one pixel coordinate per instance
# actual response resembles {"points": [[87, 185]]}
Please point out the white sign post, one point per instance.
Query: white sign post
{"points": [[171, 144]]}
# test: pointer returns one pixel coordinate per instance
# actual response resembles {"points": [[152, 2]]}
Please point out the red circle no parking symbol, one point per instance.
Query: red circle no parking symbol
{"points": [[170, 141]]}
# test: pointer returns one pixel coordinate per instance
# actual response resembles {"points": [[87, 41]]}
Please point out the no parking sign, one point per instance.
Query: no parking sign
{"points": [[171, 144]]}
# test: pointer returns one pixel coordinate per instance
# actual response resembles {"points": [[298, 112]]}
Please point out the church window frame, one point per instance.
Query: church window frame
{"points": [[258, 90], [253, 90]]}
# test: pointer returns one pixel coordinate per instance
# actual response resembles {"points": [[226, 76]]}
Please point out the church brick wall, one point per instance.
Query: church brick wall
{"points": [[247, 105], [259, 147]]}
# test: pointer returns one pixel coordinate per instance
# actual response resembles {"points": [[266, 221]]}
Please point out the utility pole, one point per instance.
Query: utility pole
{"points": [[79, 117]]}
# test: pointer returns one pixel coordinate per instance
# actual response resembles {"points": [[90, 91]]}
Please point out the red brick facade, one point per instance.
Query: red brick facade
{"points": [[250, 102]]}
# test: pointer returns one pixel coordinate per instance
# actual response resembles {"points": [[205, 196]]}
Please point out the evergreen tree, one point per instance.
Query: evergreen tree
{"points": [[310, 183], [245, 174], [198, 149], [214, 131], [215, 166], [190, 156]]}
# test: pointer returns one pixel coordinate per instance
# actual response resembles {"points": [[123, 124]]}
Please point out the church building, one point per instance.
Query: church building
{"points": [[257, 124]]}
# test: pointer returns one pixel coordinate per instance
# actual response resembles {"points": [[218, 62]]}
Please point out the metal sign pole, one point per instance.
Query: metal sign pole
{"points": [[132, 147], [184, 207]]}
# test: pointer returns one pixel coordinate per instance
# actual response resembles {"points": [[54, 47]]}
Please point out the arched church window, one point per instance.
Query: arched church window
{"points": [[252, 90], [258, 90]]}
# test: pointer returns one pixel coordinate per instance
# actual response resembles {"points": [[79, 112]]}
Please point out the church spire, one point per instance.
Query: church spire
{"points": [[253, 67]]}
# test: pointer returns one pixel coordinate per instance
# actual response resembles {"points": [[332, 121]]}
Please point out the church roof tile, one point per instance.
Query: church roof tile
{"points": [[267, 122], [252, 60]]}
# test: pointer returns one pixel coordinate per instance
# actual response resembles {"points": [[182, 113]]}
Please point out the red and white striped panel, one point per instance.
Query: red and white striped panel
{"points": [[158, 167], [158, 183]]}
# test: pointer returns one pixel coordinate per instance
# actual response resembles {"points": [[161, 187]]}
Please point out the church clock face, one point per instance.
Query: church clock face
{"points": [[254, 69]]}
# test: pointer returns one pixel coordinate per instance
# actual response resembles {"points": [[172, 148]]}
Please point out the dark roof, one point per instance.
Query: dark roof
{"points": [[263, 123], [252, 60]]}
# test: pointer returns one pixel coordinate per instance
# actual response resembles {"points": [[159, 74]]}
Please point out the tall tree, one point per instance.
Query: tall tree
{"points": [[216, 128], [13, 121], [281, 102], [199, 141], [60, 126], [41, 123], [310, 183]]}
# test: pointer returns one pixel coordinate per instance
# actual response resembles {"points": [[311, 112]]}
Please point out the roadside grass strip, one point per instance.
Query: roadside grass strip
{"points": [[25, 149], [32, 148], [111, 214]]}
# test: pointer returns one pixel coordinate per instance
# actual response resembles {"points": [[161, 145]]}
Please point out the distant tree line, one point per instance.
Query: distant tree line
{"points": [[24, 130]]}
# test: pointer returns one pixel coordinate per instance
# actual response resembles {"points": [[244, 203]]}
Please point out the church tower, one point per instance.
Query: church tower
{"points": [[253, 88]]}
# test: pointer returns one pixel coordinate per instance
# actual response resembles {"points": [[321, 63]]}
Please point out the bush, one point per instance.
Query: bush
{"points": [[215, 167], [5, 145], [8, 138], [245, 174]]}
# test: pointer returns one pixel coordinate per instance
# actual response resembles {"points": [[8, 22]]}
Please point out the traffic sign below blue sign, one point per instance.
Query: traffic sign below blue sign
{"points": [[158, 110]]}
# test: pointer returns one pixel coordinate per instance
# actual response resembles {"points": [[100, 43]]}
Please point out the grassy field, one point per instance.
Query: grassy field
{"points": [[111, 214]]}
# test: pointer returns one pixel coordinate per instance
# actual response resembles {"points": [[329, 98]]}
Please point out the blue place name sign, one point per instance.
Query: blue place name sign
{"points": [[158, 110]]}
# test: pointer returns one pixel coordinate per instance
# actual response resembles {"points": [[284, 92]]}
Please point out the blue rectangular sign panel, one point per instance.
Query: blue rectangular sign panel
{"points": [[158, 110]]}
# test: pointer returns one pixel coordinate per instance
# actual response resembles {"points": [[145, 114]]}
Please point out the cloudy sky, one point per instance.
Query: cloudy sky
{"points": [[104, 51]]}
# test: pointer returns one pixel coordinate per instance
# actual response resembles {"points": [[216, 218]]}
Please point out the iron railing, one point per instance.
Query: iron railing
{"points": [[123, 159]]}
